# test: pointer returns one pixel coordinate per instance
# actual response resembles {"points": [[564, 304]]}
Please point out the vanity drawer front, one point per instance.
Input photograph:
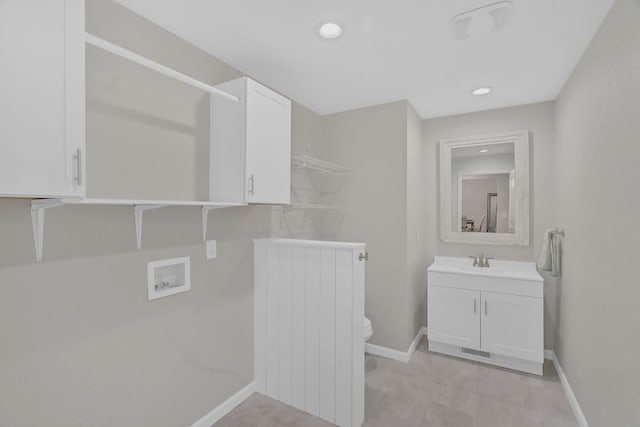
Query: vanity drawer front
{"points": [[511, 286]]}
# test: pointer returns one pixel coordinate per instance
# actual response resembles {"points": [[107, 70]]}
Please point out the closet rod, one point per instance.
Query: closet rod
{"points": [[138, 59]]}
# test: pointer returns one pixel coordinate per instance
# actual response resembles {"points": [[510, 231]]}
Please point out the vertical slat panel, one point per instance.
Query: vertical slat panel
{"points": [[309, 328], [327, 333], [312, 326], [272, 321], [357, 386], [284, 335], [344, 333], [298, 305], [260, 313]]}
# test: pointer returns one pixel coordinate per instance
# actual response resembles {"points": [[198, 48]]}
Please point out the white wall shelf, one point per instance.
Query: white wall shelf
{"points": [[128, 202], [312, 206], [313, 164], [39, 207]]}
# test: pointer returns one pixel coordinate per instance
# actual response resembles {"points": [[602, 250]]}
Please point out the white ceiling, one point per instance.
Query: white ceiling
{"points": [[390, 50]]}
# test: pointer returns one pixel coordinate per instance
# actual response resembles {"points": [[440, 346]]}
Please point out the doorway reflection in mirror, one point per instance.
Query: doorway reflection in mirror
{"points": [[484, 195]]}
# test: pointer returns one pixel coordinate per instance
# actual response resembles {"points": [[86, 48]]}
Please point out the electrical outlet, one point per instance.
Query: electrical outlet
{"points": [[212, 250]]}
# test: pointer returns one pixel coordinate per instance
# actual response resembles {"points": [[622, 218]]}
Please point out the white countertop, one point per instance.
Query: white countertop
{"points": [[499, 268]]}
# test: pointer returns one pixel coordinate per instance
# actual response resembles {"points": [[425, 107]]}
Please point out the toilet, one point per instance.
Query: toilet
{"points": [[368, 330]]}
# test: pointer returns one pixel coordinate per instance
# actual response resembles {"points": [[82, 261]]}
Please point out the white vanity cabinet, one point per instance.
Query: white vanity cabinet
{"points": [[493, 315], [250, 145], [42, 102]]}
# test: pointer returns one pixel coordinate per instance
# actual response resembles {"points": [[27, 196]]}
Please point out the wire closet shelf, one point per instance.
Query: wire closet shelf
{"points": [[315, 165]]}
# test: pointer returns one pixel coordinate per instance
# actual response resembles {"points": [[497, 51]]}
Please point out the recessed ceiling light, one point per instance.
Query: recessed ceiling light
{"points": [[330, 30], [484, 150], [482, 90]]}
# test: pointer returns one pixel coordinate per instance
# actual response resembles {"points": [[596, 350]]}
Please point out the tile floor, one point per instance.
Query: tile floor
{"points": [[433, 390]]}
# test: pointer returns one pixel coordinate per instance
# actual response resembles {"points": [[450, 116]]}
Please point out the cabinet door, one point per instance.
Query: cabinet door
{"points": [[42, 102], [454, 316], [513, 325], [268, 149]]}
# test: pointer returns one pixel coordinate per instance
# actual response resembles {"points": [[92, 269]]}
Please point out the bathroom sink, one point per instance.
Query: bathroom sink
{"points": [[478, 270], [498, 268]]}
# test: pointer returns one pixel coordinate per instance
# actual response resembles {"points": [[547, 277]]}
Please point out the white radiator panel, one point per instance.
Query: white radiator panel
{"points": [[309, 314]]}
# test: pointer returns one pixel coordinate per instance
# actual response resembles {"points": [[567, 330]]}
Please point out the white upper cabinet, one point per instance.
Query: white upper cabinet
{"points": [[250, 145], [42, 106]]}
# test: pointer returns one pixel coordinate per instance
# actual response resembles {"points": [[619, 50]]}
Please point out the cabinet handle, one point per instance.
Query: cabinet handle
{"points": [[78, 158], [475, 303], [485, 308], [251, 184]]}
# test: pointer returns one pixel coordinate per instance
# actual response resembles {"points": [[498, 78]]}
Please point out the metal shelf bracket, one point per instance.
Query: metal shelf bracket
{"points": [[205, 219], [38, 209], [138, 212]]}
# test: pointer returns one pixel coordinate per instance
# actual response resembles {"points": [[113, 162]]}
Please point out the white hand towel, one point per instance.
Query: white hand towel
{"points": [[550, 255]]}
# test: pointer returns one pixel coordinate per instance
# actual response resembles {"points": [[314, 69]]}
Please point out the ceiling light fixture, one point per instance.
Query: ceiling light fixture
{"points": [[482, 90], [330, 30], [481, 21], [484, 150]]}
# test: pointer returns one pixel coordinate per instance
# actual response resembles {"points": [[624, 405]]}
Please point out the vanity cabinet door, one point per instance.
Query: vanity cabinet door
{"points": [[454, 316], [513, 326]]}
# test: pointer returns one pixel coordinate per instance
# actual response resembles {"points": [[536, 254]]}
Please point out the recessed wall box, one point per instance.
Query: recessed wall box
{"points": [[168, 277]]}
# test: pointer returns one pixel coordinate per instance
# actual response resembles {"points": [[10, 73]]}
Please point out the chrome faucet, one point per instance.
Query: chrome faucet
{"points": [[480, 261], [484, 262]]}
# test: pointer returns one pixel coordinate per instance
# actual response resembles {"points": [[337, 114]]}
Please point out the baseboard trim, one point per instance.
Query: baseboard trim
{"points": [[389, 353], [225, 407], [573, 401]]}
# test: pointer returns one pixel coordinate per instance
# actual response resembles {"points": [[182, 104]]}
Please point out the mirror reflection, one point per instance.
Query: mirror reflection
{"points": [[484, 197]]}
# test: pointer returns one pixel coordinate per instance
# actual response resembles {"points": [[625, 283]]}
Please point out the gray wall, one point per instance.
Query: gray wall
{"points": [[373, 143], [416, 238], [79, 342], [384, 207], [537, 118], [81, 345], [597, 176]]}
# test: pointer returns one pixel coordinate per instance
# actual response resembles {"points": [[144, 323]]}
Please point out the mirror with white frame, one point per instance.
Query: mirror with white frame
{"points": [[484, 189]]}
